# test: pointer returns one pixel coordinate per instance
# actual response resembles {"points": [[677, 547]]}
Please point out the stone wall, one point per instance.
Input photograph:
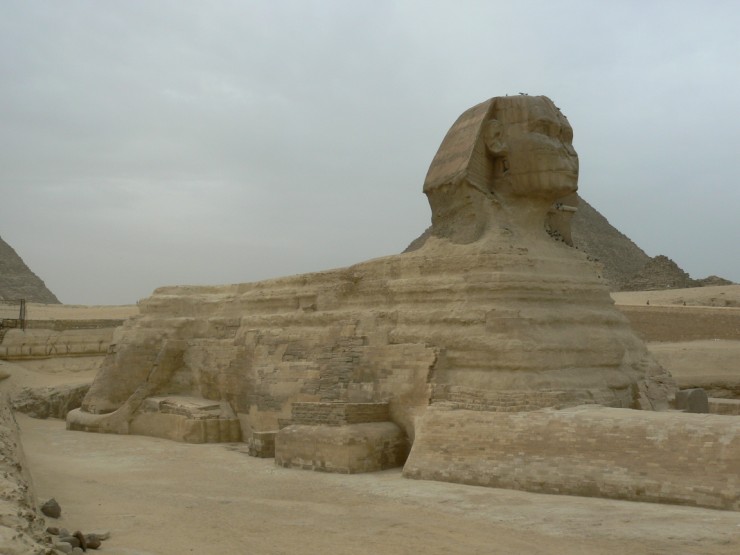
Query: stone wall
{"points": [[63, 325], [684, 323], [42, 342], [665, 457]]}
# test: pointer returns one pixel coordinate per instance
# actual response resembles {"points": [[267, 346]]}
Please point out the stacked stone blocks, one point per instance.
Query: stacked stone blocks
{"points": [[338, 413], [346, 438]]}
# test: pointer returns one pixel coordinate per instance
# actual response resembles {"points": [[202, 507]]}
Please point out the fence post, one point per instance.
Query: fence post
{"points": [[22, 315]]}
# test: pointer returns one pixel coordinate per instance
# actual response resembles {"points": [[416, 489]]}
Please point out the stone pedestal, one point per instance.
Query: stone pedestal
{"points": [[348, 449]]}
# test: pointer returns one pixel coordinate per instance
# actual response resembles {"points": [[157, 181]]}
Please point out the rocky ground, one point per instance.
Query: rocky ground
{"points": [[160, 497]]}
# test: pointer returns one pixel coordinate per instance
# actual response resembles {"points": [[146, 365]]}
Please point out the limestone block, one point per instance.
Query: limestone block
{"points": [[186, 419], [54, 402], [349, 449], [692, 400], [669, 457], [262, 444]]}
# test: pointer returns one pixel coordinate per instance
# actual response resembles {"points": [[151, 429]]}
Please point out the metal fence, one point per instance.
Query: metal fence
{"points": [[13, 314]]}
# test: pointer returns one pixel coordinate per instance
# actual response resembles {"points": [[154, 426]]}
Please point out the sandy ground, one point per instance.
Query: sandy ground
{"points": [[716, 296], [159, 497], [700, 363], [699, 341]]}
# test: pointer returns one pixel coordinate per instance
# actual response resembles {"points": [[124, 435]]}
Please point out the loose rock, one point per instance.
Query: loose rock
{"points": [[93, 541], [51, 508], [101, 534], [81, 538], [64, 547], [72, 540]]}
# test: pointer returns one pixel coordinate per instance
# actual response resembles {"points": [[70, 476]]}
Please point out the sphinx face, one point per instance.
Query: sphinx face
{"points": [[533, 150]]}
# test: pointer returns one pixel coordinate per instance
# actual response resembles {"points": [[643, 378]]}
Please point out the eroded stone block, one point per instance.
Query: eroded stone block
{"points": [[667, 457], [692, 400], [262, 444], [349, 449]]}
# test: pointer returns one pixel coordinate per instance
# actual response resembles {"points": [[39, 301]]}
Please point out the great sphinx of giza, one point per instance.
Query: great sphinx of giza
{"points": [[494, 316]]}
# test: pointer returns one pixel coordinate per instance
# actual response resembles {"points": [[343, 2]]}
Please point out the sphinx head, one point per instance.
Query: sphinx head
{"points": [[504, 163]]}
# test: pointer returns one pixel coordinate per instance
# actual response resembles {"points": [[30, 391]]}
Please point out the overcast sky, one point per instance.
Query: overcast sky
{"points": [[148, 143]]}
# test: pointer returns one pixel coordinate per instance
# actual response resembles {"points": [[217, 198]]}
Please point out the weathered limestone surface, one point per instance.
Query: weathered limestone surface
{"points": [[341, 437], [21, 527], [494, 314], [54, 402], [466, 324], [192, 420], [671, 457]]}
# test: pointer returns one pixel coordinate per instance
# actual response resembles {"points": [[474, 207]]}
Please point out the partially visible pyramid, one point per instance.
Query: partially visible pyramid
{"points": [[625, 266], [17, 281], [620, 257], [660, 272]]}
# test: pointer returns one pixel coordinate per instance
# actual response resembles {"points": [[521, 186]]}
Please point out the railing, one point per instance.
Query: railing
{"points": [[13, 314]]}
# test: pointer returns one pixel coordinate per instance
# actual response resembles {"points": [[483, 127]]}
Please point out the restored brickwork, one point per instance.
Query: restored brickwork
{"points": [[338, 413], [666, 457]]}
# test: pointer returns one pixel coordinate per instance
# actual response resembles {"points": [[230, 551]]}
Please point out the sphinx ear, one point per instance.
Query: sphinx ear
{"points": [[493, 137]]}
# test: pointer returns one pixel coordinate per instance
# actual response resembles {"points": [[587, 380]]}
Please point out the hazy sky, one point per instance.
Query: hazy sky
{"points": [[148, 143]]}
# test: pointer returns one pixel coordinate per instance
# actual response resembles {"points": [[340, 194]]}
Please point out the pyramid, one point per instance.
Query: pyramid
{"points": [[17, 281], [624, 265], [620, 257]]}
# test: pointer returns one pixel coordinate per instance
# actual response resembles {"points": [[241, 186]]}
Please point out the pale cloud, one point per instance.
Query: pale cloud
{"points": [[150, 143]]}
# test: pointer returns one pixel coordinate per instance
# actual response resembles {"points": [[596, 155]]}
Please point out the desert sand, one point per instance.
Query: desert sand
{"points": [[162, 497], [716, 296], [166, 498]]}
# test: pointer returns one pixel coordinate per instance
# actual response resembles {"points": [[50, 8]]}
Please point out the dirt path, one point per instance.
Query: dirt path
{"points": [[161, 497]]}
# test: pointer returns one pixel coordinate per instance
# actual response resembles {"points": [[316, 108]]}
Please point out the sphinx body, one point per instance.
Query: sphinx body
{"points": [[490, 314]]}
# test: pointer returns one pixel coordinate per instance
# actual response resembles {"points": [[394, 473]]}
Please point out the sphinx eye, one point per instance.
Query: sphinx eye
{"points": [[546, 127], [540, 126]]}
